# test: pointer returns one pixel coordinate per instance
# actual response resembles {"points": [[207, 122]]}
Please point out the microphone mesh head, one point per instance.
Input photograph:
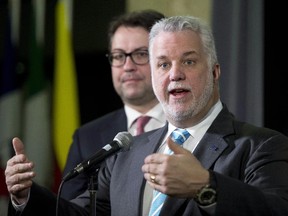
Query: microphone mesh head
{"points": [[124, 139]]}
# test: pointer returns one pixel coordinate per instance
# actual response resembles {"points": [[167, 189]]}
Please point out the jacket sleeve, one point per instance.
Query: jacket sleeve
{"points": [[43, 202]]}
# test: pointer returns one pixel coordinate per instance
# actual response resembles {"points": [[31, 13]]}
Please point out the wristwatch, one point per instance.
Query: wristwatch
{"points": [[206, 196]]}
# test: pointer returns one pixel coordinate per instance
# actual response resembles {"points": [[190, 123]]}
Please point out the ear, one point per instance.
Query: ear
{"points": [[216, 72]]}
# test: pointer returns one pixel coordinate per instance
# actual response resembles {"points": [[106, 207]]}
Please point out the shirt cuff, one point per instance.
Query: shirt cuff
{"points": [[20, 207]]}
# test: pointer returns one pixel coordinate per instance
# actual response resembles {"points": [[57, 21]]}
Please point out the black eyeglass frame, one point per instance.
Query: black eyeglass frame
{"points": [[110, 57]]}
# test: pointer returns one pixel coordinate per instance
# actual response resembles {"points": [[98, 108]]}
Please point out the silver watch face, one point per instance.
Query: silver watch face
{"points": [[206, 196]]}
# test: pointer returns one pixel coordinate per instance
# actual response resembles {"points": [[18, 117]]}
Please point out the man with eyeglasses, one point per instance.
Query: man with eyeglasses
{"points": [[129, 59]]}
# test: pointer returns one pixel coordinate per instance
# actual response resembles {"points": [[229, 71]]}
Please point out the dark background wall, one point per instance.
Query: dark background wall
{"points": [[275, 66]]}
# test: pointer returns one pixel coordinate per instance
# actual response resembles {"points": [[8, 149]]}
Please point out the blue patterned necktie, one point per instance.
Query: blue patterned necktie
{"points": [[178, 136]]}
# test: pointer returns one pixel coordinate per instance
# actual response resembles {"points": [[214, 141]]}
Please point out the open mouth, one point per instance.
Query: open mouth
{"points": [[176, 92]]}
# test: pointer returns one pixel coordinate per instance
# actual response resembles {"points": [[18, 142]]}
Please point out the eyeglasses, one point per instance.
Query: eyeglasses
{"points": [[138, 57]]}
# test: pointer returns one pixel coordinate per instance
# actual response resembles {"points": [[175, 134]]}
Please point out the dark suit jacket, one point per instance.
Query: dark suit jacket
{"points": [[250, 165], [87, 140]]}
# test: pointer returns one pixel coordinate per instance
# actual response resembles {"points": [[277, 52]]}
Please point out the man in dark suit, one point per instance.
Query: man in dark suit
{"points": [[131, 78], [223, 166]]}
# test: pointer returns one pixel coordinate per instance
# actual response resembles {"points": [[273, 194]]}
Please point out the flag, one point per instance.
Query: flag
{"points": [[10, 99], [65, 92], [37, 116]]}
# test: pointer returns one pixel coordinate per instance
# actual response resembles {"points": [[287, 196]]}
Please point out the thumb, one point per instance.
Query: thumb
{"points": [[177, 149], [18, 146]]}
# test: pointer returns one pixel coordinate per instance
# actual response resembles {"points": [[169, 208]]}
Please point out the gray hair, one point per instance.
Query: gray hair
{"points": [[181, 23]]}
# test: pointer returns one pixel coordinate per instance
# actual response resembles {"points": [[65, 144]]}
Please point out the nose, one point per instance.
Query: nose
{"points": [[176, 73], [129, 64]]}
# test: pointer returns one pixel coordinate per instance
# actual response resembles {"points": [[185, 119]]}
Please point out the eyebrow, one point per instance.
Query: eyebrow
{"points": [[190, 53], [144, 48], [193, 52]]}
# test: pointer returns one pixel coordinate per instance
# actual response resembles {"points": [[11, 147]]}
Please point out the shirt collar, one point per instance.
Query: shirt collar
{"points": [[156, 113]]}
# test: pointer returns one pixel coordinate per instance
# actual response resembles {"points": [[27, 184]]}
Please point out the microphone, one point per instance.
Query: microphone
{"points": [[121, 141]]}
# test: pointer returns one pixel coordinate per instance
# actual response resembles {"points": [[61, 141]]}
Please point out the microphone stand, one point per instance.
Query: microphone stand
{"points": [[92, 188]]}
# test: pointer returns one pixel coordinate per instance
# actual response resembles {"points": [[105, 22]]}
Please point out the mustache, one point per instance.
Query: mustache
{"points": [[178, 86]]}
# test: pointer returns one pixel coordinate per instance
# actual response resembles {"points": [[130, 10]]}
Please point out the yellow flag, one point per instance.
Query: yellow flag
{"points": [[65, 104]]}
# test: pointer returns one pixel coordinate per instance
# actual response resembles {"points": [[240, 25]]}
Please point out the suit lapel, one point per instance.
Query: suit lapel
{"points": [[116, 124], [209, 149], [213, 143], [142, 146]]}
